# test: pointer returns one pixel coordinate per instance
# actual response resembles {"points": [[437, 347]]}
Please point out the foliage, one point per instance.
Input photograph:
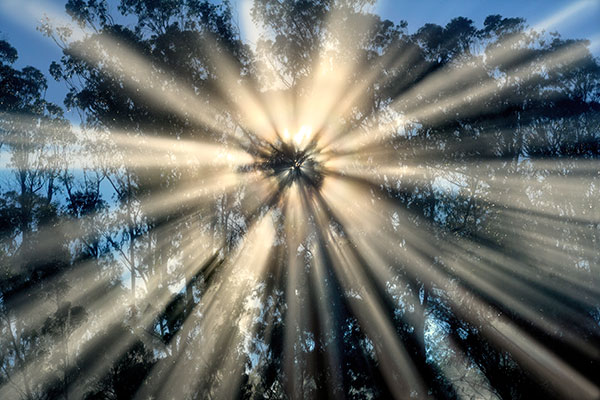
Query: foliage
{"points": [[71, 237]]}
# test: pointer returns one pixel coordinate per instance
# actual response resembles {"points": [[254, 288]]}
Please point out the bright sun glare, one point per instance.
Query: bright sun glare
{"points": [[301, 218], [302, 136]]}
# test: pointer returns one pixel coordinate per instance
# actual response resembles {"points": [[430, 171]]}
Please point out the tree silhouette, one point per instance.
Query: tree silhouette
{"points": [[431, 232]]}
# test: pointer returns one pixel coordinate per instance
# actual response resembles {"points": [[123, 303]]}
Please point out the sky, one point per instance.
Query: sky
{"points": [[573, 19]]}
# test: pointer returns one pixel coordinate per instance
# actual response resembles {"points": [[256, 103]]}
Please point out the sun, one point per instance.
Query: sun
{"points": [[292, 159], [301, 138], [357, 220], [303, 135]]}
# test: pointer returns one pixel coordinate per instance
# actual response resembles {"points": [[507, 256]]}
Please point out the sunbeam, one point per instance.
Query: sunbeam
{"points": [[323, 205]]}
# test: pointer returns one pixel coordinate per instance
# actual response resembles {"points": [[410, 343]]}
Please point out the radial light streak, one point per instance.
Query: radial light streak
{"points": [[233, 284], [438, 82], [291, 210], [109, 308], [397, 367], [485, 285]]}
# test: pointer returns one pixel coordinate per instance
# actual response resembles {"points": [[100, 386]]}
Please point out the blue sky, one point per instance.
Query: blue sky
{"points": [[581, 18], [573, 19]]}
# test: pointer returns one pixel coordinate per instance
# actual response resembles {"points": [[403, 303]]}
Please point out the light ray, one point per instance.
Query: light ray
{"points": [[447, 77], [297, 209], [224, 297]]}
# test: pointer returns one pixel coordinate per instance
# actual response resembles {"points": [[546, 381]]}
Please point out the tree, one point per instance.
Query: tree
{"points": [[434, 236]]}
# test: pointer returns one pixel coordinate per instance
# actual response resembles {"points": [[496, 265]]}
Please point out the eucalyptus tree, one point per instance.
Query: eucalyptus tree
{"points": [[35, 253], [345, 210], [150, 82]]}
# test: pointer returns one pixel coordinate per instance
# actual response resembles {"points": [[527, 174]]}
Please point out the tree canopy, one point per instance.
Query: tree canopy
{"points": [[342, 209]]}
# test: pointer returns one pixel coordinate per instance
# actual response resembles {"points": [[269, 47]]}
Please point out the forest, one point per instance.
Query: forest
{"points": [[342, 208]]}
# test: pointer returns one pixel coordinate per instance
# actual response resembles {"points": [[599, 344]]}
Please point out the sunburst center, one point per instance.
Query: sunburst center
{"points": [[287, 164]]}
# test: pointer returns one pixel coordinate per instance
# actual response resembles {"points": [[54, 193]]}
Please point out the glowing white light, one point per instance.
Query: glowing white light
{"points": [[303, 134]]}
